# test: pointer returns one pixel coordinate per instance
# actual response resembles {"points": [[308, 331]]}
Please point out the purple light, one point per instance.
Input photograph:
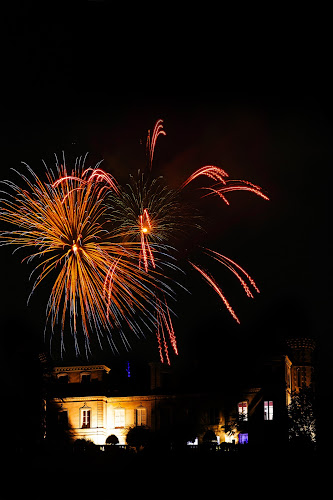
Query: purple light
{"points": [[243, 438]]}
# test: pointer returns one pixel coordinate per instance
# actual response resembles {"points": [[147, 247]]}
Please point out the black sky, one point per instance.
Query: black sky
{"points": [[253, 100]]}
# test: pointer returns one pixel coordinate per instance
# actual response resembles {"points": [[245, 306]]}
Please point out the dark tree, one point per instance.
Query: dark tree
{"points": [[139, 437]]}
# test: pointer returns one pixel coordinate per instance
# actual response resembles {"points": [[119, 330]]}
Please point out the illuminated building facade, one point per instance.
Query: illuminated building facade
{"points": [[84, 405], [89, 402]]}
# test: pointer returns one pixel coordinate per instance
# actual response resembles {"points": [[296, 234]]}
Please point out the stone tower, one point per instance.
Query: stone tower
{"points": [[302, 362]]}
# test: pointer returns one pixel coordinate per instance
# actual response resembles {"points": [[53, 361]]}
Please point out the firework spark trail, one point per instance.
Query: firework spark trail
{"points": [[151, 142], [145, 228], [164, 325], [230, 264], [170, 328], [143, 253], [97, 175], [100, 176], [211, 171], [218, 175], [146, 215], [217, 289], [108, 284], [161, 344], [241, 186], [164, 322]]}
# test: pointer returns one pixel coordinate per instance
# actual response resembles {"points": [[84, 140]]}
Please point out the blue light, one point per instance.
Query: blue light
{"points": [[128, 370]]}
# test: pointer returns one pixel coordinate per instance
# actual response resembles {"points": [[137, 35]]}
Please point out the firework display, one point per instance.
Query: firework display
{"points": [[111, 251]]}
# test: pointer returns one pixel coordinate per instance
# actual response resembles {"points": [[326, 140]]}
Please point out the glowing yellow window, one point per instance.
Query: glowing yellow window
{"points": [[119, 418], [85, 416]]}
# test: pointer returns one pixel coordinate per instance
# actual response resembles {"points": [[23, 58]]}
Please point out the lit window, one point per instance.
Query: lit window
{"points": [[268, 410], [85, 419], [242, 410], [141, 416], [119, 418], [243, 438]]}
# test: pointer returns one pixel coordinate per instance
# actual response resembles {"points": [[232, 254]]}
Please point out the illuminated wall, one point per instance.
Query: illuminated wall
{"points": [[86, 416], [97, 417]]}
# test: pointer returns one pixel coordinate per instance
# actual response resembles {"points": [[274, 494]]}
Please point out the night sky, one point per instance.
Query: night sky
{"points": [[255, 102]]}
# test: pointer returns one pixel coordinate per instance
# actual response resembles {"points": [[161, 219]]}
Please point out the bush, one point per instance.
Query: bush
{"points": [[112, 439], [210, 437], [84, 446]]}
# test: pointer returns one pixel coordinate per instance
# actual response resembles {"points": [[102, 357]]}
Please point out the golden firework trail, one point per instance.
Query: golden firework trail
{"points": [[96, 278]]}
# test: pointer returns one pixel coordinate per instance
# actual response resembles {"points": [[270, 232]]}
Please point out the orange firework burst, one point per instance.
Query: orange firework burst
{"points": [[62, 220]]}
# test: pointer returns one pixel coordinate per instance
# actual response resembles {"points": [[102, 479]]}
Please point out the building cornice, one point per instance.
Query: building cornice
{"points": [[82, 368], [118, 399]]}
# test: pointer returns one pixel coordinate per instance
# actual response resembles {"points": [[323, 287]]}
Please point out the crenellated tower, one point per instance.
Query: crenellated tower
{"points": [[302, 371]]}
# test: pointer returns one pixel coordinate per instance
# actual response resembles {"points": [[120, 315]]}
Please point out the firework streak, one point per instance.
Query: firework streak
{"points": [[110, 250]]}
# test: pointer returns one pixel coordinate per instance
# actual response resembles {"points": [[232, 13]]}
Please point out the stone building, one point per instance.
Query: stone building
{"points": [[92, 404]]}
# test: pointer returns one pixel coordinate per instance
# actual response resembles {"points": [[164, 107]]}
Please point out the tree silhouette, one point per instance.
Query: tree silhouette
{"points": [[139, 437], [301, 419]]}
